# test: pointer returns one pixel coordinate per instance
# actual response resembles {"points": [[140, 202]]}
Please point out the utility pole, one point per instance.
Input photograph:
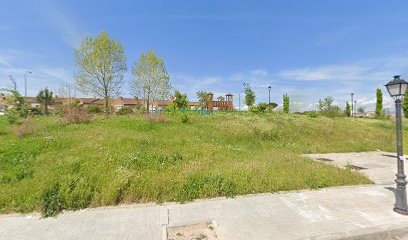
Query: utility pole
{"points": [[355, 106]]}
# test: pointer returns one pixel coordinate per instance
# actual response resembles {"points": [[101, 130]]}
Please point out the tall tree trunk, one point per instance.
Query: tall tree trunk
{"points": [[46, 109], [106, 100], [106, 106], [148, 105]]}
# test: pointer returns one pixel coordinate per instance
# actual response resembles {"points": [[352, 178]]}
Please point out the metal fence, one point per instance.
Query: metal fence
{"points": [[196, 112]]}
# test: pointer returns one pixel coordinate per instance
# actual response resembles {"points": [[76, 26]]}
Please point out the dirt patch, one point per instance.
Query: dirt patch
{"points": [[198, 231]]}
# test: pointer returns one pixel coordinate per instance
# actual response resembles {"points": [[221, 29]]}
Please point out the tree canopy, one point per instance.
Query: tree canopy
{"points": [[101, 65], [348, 110], [379, 104], [46, 98], [249, 95], [325, 104], [286, 102], [150, 78], [202, 99]]}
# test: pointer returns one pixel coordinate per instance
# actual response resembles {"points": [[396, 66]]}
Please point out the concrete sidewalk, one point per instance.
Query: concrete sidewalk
{"points": [[362, 212]]}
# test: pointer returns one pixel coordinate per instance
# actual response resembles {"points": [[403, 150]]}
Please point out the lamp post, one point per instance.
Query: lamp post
{"points": [[352, 112], [355, 107], [25, 83], [269, 88], [239, 101], [396, 88]]}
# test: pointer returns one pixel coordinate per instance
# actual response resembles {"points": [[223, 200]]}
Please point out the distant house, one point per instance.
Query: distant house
{"points": [[120, 102], [91, 102], [127, 102], [370, 114]]}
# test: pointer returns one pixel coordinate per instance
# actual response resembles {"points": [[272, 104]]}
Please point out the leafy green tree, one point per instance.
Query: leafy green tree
{"points": [[326, 108], [325, 104], [348, 110], [16, 109], [405, 105], [361, 110], [379, 104], [46, 98], [101, 65], [150, 78], [202, 99], [286, 103], [180, 100], [249, 96]]}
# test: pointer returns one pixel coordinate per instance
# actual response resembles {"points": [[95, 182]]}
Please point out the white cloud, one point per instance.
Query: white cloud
{"points": [[365, 70]]}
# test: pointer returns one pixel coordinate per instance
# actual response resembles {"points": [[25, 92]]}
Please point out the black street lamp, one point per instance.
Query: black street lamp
{"points": [[269, 88], [396, 88]]}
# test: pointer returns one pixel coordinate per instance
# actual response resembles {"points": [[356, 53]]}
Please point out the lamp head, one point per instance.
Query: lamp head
{"points": [[397, 87]]}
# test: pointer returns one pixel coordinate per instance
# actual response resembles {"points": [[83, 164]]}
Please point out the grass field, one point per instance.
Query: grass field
{"points": [[125, 159]]}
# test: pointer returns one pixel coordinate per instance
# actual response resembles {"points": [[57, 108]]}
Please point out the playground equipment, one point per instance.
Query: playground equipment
{"points": [[221, 103]]}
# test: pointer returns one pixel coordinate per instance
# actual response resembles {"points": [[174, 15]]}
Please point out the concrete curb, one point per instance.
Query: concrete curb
{"points": [[372, 233]]}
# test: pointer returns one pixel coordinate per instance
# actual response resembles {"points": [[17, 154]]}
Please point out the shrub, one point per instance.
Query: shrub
{"points": [[260, 108], [185, 118], [94, 109], [124, 111], [313, 114], [272, 106], [17, 109], [51, 203], [333, 112], [29, 126], [76, 115]]}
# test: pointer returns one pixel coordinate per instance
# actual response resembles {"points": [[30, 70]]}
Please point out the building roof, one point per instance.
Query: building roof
{"points": [[127, 101], [115, 102]]}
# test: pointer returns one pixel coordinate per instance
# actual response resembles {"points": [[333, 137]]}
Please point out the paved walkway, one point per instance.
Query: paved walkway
{"points": [[362, 212], [379, 166]]}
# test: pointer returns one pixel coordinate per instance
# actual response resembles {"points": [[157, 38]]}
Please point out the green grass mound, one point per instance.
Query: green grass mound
{"points": [[130, 159]]}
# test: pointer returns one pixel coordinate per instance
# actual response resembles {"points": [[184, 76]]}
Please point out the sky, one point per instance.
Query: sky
{"points": [[307, 49]]}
